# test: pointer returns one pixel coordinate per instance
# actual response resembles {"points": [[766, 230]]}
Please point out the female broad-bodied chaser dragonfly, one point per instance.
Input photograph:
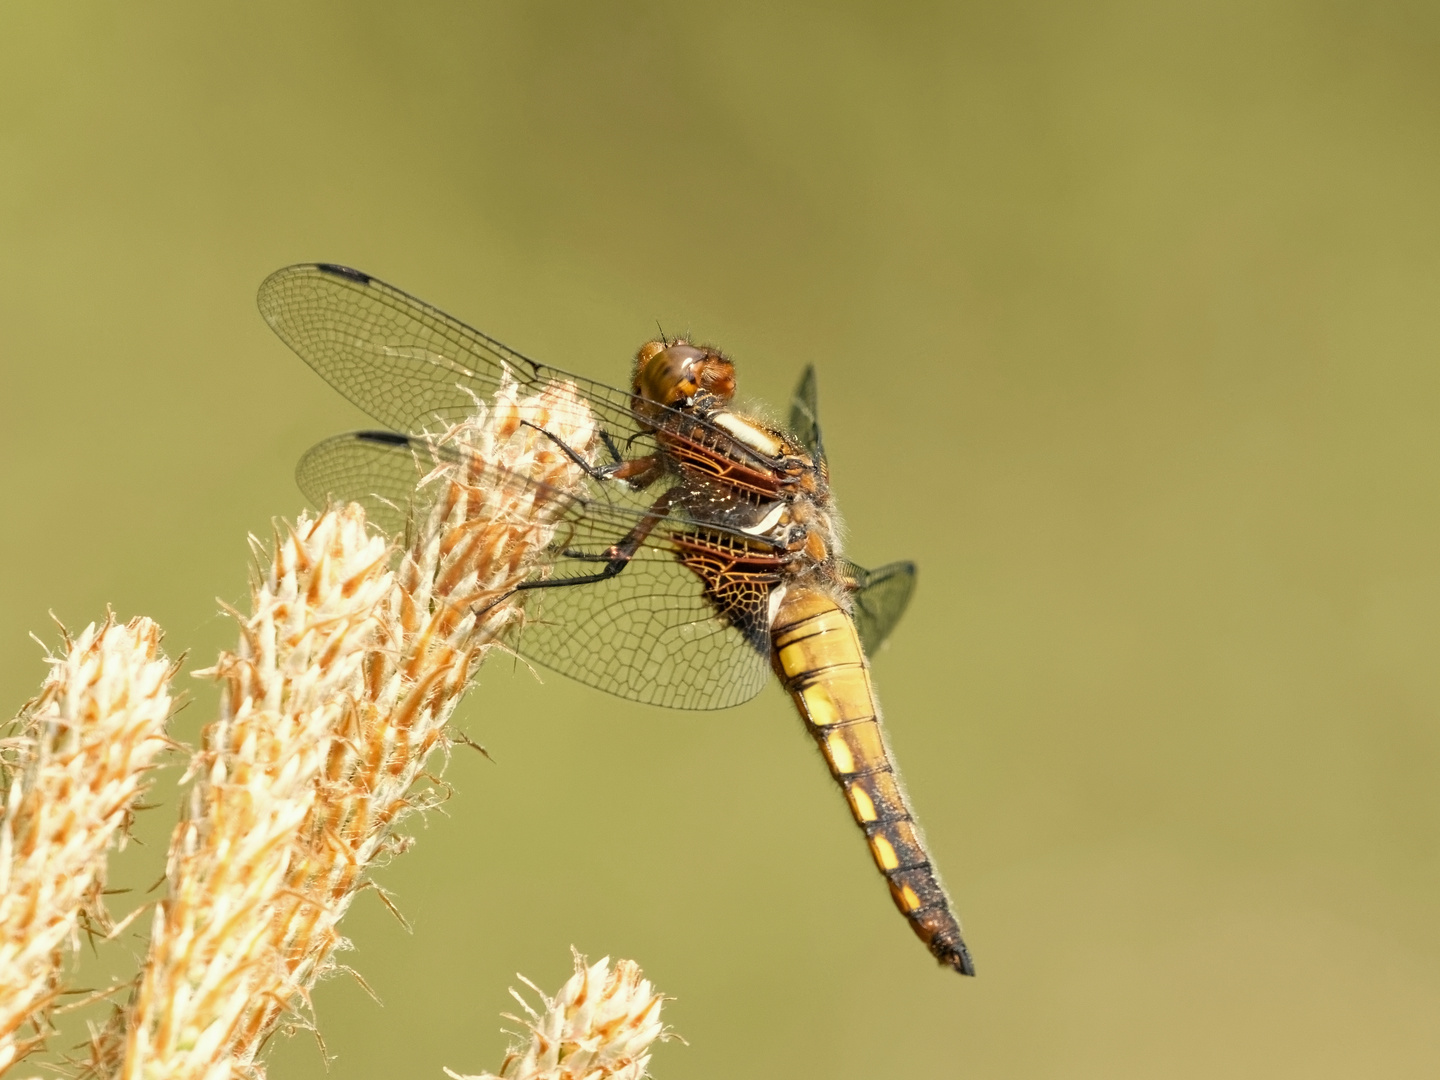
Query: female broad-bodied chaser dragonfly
{"points": [[706, 557]]}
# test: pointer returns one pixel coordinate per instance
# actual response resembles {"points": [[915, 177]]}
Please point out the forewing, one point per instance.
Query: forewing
{"points": [[879, 597], [805, 414], [648, 634], [401, 360]]}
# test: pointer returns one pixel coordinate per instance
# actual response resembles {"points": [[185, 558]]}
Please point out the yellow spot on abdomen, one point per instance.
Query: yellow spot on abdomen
{"points": [[884, 853], [867, 745], [908, 898], [822, 641], [819, 705], [838, 751], [863, 804], [839, 695]]}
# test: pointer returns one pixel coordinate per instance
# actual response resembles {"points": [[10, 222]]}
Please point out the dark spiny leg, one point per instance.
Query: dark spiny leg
{"points": [[615, 456], [637, 472], [618, 556]]}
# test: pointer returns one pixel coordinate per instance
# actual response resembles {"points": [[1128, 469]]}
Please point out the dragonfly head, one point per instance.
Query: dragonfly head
{"points": [[672, 372]]}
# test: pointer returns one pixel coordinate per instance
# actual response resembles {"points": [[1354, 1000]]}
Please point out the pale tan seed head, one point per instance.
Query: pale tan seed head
{"points": [[72, 772], [600, 1026], [332, 705]]}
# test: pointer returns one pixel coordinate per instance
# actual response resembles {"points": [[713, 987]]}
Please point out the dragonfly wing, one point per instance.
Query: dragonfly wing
{"points": [[376, 469], [878, 598], [650, 633], [401, 360], [805, 414]]}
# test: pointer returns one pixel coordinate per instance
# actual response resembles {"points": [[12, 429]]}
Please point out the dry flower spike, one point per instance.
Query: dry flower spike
{"points": [[600, 1026], [336, 698], [72, 774]]}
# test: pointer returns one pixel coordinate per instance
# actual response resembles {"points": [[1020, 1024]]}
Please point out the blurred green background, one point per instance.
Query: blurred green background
{"points": [[1125, 319]]}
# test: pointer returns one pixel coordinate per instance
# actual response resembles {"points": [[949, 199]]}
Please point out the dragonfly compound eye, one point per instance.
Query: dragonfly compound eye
{"points": [[670, 374]]}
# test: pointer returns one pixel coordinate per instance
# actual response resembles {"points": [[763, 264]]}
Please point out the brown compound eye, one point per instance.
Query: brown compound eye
{"points": [[669, 374]]}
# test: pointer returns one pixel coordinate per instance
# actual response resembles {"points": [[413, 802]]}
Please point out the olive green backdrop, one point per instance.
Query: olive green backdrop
{"points": [[1126, 324]]}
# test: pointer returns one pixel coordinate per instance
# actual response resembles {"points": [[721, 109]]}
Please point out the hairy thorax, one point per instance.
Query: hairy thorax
{"points": [[734, 470]]}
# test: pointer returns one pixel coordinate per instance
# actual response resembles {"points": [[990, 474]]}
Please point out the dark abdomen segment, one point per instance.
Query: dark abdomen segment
{"points": [[817, 654]]}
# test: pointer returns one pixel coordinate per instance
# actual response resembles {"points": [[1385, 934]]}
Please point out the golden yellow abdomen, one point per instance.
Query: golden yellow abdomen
{"points": [[817, 655]]}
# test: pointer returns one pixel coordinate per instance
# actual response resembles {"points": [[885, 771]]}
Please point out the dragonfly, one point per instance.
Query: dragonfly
{"points": [[704, 560]]}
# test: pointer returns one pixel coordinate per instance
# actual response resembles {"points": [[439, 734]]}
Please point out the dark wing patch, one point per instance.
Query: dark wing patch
{"points": [[805, 414], [344, 271], [879, 597]]}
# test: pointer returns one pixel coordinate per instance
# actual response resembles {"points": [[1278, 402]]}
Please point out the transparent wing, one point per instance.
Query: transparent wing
{"points": [[805, 414], [376, 469], [879, 598], [649, 633], [408, 364], [401, 360]]}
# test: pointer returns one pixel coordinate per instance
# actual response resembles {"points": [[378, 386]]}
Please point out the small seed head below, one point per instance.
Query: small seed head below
{"points": [[600, 1026]]}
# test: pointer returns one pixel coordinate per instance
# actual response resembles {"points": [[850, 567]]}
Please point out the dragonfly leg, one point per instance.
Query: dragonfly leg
{"points": [[637, 472], [617, 556], [615, 455]]}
